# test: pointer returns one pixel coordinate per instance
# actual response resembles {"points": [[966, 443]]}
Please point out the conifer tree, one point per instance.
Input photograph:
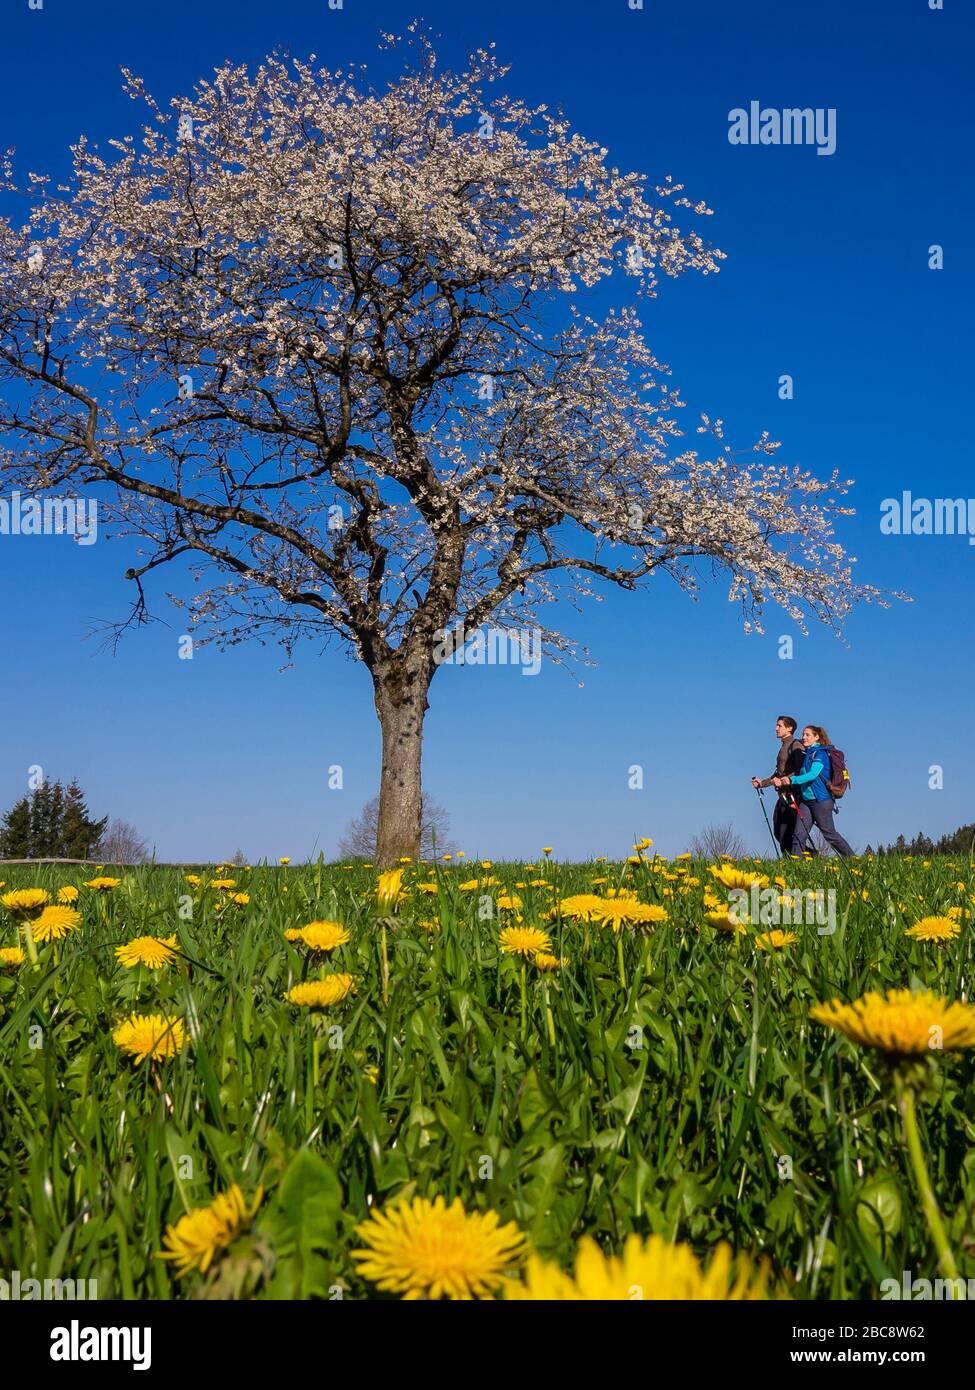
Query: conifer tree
{"points": [[15, 841], [46, 813], [80, 834]]}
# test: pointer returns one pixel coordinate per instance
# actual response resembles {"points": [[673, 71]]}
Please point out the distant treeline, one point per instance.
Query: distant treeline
{"points": [[959, 841], [51, 822]]}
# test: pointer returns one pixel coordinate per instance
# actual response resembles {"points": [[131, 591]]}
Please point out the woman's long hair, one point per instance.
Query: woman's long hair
{"points": [[821, 735]]}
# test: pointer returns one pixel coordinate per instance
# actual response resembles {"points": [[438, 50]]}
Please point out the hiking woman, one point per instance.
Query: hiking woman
{"points": [[817, 799]]}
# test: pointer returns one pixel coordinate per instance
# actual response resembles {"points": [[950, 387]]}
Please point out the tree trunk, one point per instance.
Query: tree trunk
{"points": [[401, 702]]}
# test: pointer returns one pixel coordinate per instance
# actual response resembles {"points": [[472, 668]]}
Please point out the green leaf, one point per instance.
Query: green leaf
{"points": [[879, 1210], [311, 1198], [304, 1223], [532, 1105]]}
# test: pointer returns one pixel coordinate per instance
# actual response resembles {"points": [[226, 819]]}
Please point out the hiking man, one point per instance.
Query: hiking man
{"points": [[817, 796], [788, 761]]}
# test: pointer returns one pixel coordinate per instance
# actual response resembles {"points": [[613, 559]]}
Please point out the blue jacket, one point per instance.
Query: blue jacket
{"points": [[812, 778]]}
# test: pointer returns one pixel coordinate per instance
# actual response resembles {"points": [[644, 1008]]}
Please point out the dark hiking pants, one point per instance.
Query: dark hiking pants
{"points": [[784, 825], [820, 814]]}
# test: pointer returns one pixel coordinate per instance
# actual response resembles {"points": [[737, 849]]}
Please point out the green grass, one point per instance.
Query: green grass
{"points": [[698, 1101]]}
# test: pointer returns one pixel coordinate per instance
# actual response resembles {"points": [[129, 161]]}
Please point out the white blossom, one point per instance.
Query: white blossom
{"points": [[335, 268]]}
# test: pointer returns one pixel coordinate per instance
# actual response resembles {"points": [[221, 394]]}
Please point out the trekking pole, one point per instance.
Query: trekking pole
{"points": [[761, 800]]}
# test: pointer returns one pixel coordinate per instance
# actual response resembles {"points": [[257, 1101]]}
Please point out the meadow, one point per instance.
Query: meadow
{"points": [[645, 1075]]}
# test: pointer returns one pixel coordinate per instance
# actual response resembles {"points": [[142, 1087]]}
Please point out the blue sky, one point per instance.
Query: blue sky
{"points": [[827, 279]]}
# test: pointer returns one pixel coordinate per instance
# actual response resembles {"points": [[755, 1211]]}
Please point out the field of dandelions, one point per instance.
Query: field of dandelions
{"points": [[498, 1080]]}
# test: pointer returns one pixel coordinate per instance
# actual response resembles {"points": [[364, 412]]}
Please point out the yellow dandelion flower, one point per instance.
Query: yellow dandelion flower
{"points": [[428, 924], [620, 911], [223, 885], [68, 894], [424, 1249], [724, 921], [651, 1270], [25, 900], [203, 1233], [939, 929], [11, 957], [149, 1035], [156, 952], [546, 962], [320, 994], [55, 922], [900, 1022], [775, 940], [192, 879], [581, 906], [293, 933], [285, 859], [388, 889], [433, 887], [508, 902], [524, 941], [103, 884], [324, 936], [731, 877]]}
